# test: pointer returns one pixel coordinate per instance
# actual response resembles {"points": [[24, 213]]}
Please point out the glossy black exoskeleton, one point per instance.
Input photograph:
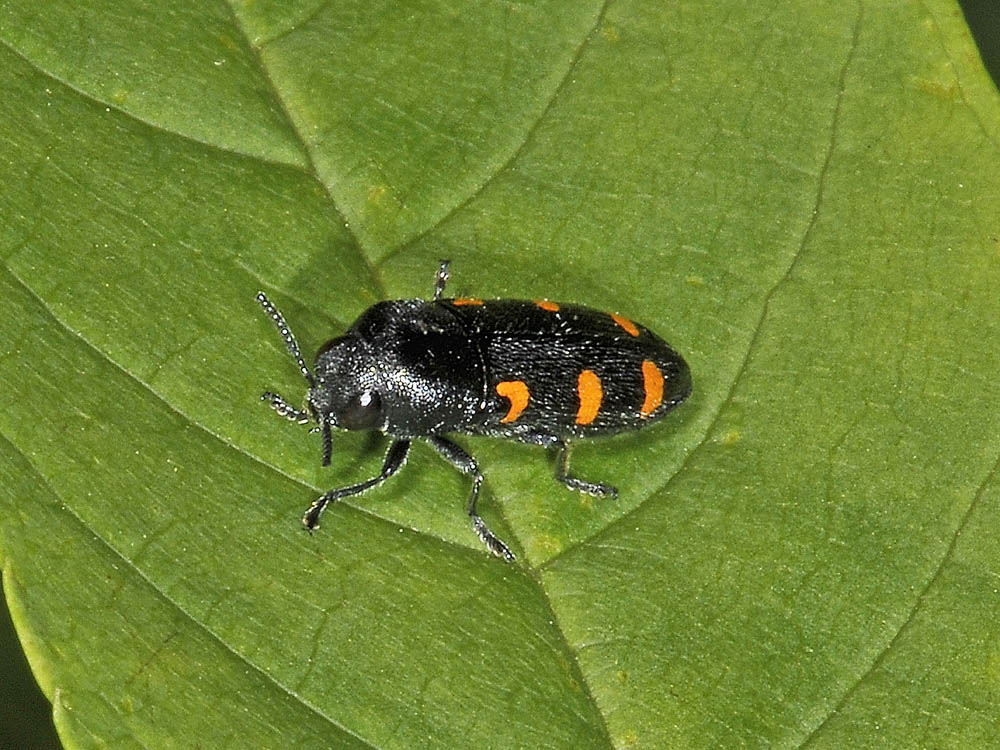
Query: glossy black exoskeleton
{"points": [[536, 371]]}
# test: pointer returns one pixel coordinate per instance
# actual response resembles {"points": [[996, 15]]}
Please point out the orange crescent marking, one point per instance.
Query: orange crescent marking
{"points": [[588, 388], [466, 301], [652, 383], [625, 323], [546, 305], [517, 392]]}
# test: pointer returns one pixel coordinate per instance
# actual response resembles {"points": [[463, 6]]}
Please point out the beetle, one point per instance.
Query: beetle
{"points": [[539, 372]]}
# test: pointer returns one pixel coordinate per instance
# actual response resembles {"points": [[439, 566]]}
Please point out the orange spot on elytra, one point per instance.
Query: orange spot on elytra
{"points": [[517, 392], [588, 388], [546, 305], [652, 383], [625, 323], [466, 301]]}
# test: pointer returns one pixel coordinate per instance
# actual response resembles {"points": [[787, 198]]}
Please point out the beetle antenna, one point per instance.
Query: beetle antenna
{"points": [[286, 334], [285, 409]]}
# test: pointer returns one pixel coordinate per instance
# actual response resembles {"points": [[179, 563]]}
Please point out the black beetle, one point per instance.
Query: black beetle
{"points": [[536, 371]]}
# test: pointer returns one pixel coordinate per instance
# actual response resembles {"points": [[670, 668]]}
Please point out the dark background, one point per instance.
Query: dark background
{"points": [[25, 714]]}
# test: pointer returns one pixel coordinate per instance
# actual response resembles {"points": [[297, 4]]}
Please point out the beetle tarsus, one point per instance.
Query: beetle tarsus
{"points": [[493, 543], [440, 279], [597, 489]]}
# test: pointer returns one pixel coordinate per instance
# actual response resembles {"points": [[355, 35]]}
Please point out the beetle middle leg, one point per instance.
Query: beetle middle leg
{"points": [[598, 489], [394, 458], [467, 465]]}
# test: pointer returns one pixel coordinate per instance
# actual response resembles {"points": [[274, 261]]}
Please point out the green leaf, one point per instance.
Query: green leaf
{"points": [[802, 199]]}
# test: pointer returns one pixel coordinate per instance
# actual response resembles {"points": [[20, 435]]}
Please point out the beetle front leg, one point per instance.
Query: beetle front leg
{"points": [[394, 458], [440, 279], [467, 465]]}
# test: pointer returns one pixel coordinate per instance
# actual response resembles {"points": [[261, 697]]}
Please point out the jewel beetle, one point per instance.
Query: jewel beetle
{"points": [[540, 372]]}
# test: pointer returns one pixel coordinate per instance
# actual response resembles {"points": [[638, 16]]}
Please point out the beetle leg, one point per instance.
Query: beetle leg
{"points": [[467, 465], [394, 458], [598, 489], [327, 442], [440, 279]]}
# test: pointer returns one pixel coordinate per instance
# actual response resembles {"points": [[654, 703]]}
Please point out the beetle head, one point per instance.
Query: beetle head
{"points": [[344, 393]]}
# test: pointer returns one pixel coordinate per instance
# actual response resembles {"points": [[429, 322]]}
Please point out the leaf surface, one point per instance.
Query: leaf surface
{"points": [[802, 200]]}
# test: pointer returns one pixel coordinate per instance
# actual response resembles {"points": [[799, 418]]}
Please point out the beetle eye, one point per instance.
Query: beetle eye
{"points": [[363, 412]]}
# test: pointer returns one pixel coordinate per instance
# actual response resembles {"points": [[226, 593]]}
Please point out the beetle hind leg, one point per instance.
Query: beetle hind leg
{"points": [[597, 489], [467, 465]]}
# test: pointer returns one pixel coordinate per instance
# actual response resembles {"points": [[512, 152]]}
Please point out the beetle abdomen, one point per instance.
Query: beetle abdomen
{"points": [[569, 371]]}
